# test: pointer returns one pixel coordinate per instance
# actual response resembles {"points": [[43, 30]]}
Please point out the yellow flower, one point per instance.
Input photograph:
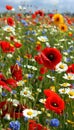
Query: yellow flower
{"points": [[38, 43], [70, 33], [52, 88], [30, 29], [70, 122], [63, 27], [58, 19]]}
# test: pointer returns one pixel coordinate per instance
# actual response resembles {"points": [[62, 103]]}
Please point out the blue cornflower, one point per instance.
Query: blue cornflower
{"points": [[25, 119], [18, 62], [3, 94], [30, 75], [14, 92], [47, 121], [24, 22], [31, 39], [68, 59], [14, 125], [54, 122], [27, 32], [33, 32]]}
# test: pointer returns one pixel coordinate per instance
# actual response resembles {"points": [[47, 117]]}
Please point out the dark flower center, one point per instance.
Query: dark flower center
{"points": [[57, 19], [50, 57], [54, 104], [62, 28]]}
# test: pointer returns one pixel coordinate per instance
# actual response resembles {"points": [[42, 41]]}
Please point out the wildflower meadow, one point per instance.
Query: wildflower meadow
{"points": [[36, 70]]}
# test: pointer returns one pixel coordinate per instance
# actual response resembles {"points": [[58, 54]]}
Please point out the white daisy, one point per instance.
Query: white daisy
{"points": [[9, 29], [42, 101], [65, 84], [69, 76], [61, 67], [15, 102], [9, 55], [26, 93], [30, 67], [50, 77], [30, 113], [71, 93], [64, 90], [42, 38], [20, 83]]}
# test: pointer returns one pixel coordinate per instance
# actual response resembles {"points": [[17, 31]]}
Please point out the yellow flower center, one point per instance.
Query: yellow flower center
{"points": [[69, 77], [63, 90], [65, 84], [25, 92], [71, 93], [8, 29], [29, 113], [38, 42], [61, 66]]}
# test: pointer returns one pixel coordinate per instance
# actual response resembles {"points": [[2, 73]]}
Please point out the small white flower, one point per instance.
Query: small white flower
{"points": [[64, 90], [26, 93], [30, 113], [9, 55], [47, 44], [9, 29], [42, 101], [20, 83], [15, 102], [61, 67], [50, 77], [62, 40], [20, 7], [30, 67], [71, 93], [65, 53], [0, 89], [65, 84], [39, 90], [7, 116], [69, 76], [42, 38]]}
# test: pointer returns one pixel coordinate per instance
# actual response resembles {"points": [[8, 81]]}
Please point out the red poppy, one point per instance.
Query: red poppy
{"points": [[55, 103], [7, 47], [10, 21], [20, 15], [48, 93], [29, 56], [50, 15], [5, 86], [16, 71], [11, 82], [38, 47], [2, 104], [12, 38], [68, 20], [11, 49], [17, 44], [9, 7], [70, 69], [38, 58], [33, 125], [43, 70], [39, 13], [49, 57], [2, 77], [40, 78], [33, 16]]}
